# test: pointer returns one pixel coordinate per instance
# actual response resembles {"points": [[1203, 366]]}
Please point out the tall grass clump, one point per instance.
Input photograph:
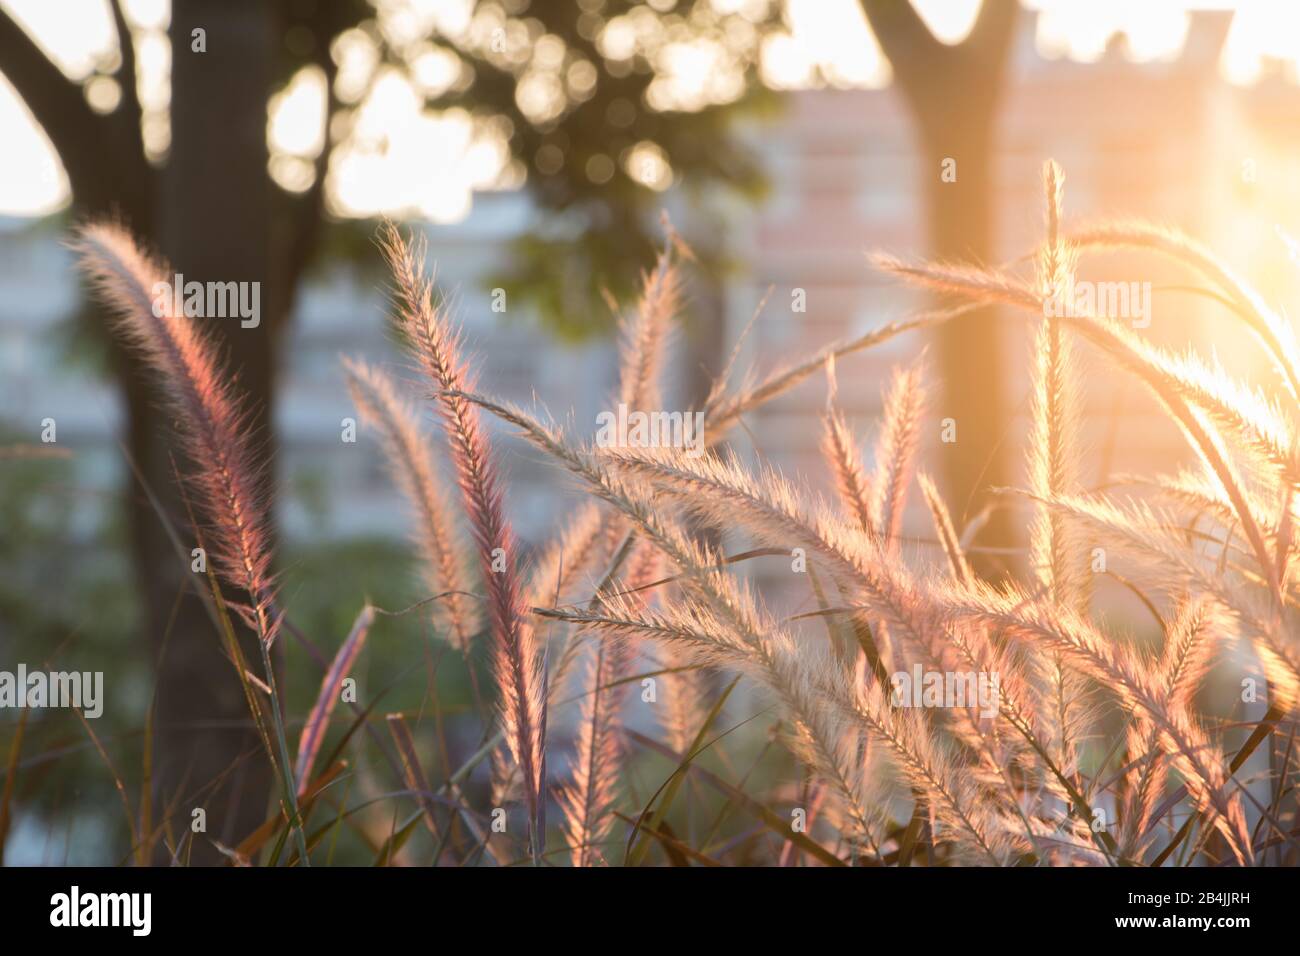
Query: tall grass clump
{"points": [[1092, 746], [214, 428]]}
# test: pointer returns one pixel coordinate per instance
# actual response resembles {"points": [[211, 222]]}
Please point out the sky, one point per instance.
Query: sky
{"points": [[403, 159]]}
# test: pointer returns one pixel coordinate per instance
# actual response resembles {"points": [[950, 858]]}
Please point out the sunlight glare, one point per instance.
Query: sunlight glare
{"points": [[38, 184]]}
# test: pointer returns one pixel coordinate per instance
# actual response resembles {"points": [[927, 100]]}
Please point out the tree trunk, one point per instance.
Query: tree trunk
{"points": [[971, 366], [214, 226]]}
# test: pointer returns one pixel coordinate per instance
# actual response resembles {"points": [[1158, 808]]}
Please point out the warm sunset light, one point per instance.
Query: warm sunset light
{"points": [[859, 436]]}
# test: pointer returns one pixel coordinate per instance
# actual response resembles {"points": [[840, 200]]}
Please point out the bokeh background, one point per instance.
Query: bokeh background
{"points": [[535, 146]]}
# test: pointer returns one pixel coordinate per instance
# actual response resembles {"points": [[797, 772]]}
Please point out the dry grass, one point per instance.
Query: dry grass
{"points": [[1091, 750]]}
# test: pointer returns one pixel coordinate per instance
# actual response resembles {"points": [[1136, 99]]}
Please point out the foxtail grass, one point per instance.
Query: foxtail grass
{"points": [[1091, 744]]}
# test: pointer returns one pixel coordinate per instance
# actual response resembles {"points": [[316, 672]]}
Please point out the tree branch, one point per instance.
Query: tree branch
{"points": [[994, 29], [55, 100], [934, 75], [102, 155], [907, 42], [130, 107]]}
